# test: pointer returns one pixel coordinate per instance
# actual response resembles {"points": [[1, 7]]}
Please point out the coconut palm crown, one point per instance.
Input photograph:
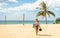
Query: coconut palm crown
{"points": [[43, 12]]}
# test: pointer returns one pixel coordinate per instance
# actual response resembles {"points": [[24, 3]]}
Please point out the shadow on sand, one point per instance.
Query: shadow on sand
{"points": [[44, 35]]}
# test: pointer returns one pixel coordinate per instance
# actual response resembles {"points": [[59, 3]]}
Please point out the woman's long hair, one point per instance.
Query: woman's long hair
{"points": [[37, 20]]}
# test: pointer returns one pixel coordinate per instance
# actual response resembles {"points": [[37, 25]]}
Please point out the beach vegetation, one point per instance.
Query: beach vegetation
{"points": [[57, 21]]}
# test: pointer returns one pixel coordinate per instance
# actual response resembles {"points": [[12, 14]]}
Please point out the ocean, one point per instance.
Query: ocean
{"points": [[25, 22]]}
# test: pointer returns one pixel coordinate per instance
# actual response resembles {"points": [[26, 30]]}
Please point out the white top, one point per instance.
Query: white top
{"points": [[36, 23]]}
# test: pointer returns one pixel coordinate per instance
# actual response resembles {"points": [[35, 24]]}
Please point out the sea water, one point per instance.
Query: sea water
{"points": [[25, 22]]}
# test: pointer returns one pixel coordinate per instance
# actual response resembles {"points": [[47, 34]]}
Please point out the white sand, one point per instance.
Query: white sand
{"points": [[26, 31]]}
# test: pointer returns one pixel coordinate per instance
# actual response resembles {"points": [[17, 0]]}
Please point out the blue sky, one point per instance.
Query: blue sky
{"points": [[14, 9]]}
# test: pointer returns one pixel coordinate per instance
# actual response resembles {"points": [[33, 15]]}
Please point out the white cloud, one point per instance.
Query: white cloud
{"points": [[49, 2], [22, 8], [13, 1], [3, 10], [2, 4], [32, 6]]}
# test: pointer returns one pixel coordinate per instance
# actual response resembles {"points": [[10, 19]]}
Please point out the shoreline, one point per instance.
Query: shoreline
{"points": [[29, 24]]}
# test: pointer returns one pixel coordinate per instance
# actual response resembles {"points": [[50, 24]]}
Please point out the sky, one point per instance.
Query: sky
{"points": [[14, 9]]}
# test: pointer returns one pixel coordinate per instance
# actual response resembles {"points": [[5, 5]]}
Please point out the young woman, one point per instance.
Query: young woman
{"points": [[36, 25]]}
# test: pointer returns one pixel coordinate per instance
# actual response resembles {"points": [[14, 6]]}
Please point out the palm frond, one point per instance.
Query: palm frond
{"points": [[39, 13], [43, 6], [51, 13], [48, 14]]}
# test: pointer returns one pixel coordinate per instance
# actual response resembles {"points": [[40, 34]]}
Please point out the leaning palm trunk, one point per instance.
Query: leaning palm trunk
{"points": [[44, 9], [46, 19]]}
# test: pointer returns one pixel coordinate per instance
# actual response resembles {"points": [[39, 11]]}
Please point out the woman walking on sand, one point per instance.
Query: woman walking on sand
{"points": [[36, 25]]}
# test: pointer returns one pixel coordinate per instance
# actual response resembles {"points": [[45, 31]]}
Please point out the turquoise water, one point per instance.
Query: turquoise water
{"points": [[25, 22]]}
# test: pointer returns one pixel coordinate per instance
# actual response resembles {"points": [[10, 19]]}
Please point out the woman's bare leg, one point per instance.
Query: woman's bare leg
{"points": [[36, 31]]}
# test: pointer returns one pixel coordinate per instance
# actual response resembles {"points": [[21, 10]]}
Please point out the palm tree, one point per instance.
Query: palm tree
{"points": [[43, 12], [57, 21]]}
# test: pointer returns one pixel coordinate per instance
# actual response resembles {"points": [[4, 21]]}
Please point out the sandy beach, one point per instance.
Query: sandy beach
{"points": [[26, 31]]}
